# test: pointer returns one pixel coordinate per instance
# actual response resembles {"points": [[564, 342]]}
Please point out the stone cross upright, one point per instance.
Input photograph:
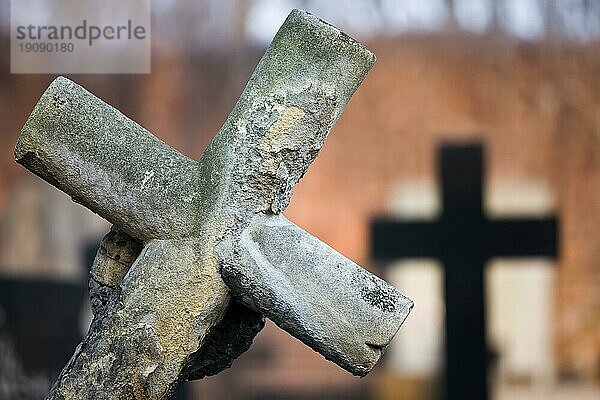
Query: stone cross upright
{"points": [[200, 249]]}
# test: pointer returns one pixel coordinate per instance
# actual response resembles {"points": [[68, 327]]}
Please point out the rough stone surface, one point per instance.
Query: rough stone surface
{"points": [[227, 341], [115, 256], [157, 326], [154, 320], [110, 164], [333, 305]]}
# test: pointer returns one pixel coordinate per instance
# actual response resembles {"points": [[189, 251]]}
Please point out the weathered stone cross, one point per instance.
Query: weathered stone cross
{"points": [[194, 240]]}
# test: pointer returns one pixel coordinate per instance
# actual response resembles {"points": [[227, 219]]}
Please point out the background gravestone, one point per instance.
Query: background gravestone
{"points": [[39, 325], [464, 239]]}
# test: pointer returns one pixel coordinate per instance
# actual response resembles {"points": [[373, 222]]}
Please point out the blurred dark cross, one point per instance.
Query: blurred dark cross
{"points": [[464, 239]]}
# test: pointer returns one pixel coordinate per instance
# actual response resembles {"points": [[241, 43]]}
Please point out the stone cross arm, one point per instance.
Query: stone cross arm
{"points": [[210, 231]]}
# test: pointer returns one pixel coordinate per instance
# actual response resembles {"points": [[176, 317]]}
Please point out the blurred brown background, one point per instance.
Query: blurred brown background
{"points": [[522, 76]]}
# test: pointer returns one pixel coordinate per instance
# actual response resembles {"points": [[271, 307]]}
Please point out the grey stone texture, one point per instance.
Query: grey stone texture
{"points": [[195, 239], [226, 341], [308, 289]]}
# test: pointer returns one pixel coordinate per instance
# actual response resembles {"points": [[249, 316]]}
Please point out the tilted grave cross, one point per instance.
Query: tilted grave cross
{"points": [[194, 238], [464, 239]]}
